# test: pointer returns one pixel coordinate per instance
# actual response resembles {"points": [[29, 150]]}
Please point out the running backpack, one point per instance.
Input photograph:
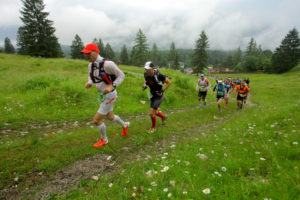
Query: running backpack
{"points": [[107, 78], [220, 91]]}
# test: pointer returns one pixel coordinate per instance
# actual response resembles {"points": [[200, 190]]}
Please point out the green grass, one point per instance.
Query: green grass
{"points": [[35, 90], [39, 90]]}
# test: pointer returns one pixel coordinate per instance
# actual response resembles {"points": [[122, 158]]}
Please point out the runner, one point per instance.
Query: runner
{"points": [[155, 81], [242, 91], [221, 91], [203, 84], [107, 76], [247, 84], [229, 88]]}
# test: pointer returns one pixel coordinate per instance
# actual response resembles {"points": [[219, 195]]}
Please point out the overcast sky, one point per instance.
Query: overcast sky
{"points": [[227, 23]]}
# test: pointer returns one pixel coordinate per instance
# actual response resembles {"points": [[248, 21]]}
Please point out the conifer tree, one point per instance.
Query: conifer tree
{"points": [[109, 52], [140, 49], [200, 58], [287, 55], [154, 54], [124, 56], [76, 47], [36, 36], [8, 47]]}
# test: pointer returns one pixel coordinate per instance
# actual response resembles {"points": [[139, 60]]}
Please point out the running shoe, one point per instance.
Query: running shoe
{"points": [[100, 143], [125, 129], [151, 130], [164, 120]]}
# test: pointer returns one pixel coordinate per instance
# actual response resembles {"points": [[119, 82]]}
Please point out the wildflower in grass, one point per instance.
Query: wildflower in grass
{"points": [[200, 149], [212, 151], [225, 155], [295, 143], [206, 191], [134, 188], [166, 168], [164, 157], [172, 183], [153, 184], [166, 190], [267, 199], [251, 169], [169, 195], [187, 163], [224, 169], [275, 143], [173, 146], [149, 189], [110, 185], [184, 192], [257, 152], [195, 174], [262, 158], [149, 173], [178, 161], [202, 156], [165, 154], [133, 194]]}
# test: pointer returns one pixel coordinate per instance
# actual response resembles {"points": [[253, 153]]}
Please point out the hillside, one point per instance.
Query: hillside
{"points": [[47, 136]]}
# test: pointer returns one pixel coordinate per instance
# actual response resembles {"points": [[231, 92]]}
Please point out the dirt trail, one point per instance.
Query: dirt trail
{"points": [[70, 177]]}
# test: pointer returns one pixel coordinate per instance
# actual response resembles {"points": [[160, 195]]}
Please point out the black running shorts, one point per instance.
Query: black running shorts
{"points": [[156, 101]]}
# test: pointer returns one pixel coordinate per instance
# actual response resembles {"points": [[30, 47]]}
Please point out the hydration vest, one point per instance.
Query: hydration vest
{"points": [[244, 91], [102, 76], [221, 91], [203, 84], [156, 74]]}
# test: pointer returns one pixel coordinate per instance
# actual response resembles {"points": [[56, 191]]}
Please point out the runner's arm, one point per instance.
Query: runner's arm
{"points": [[89, 83], [208, 84], [111, 68], [145, 86], [168, 83]]}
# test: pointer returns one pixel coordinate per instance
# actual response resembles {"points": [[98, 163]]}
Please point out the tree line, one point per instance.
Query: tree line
{"points": [[36, 38]]}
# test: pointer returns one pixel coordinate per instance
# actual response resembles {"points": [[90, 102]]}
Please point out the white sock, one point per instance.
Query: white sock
{"points": [[102, 130], [119, 121]]}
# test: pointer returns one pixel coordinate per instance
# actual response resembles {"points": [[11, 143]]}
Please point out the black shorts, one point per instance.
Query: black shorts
{"points": [[239, 98], [156, 101], [220, 97], [202, 94]]}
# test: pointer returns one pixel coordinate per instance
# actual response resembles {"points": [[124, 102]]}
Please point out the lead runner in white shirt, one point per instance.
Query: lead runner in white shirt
{"points": [[106, 107]]}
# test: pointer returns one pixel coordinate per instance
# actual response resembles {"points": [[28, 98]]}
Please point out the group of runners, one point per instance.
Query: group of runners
{"points": [[106, 75], [223, 89]]}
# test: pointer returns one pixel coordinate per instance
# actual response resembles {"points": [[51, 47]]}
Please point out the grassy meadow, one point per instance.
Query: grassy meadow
{"points": [[46, 125]]}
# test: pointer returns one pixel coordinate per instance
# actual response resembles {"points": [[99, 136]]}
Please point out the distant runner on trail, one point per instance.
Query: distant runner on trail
{"points": [[155, 81], [242, 91], [220, 87], [107, 76], [229, 88], [247, 84], [203, 84]]}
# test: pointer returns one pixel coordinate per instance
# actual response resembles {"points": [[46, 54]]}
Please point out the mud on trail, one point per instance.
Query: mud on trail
{"points": [[92, 168]]}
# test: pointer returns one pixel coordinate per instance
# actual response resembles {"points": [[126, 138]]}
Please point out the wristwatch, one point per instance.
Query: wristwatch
{"points": [[115, 85]]}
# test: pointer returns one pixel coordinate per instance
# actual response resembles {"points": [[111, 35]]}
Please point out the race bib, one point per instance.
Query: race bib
{"points": [[220, 93], [202, 89], [101, 96]]}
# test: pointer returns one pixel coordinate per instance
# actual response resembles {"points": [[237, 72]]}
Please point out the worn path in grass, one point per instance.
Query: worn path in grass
{"points": [[71, 176]]}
